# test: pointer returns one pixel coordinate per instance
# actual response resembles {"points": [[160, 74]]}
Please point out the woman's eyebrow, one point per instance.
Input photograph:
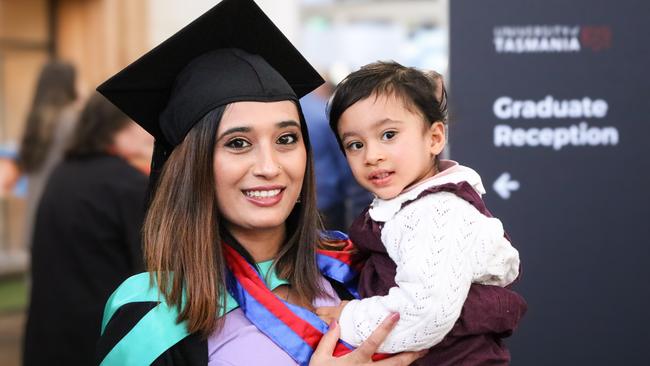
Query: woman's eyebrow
{"points": [[245, 129], [289, 123], [233, 130]]}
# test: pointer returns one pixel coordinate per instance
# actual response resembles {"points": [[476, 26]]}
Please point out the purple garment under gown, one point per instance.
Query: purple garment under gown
{"points": [[240, 343]]}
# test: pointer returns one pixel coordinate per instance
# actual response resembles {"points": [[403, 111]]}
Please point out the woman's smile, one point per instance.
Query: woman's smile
{"points": [[264, 196]]}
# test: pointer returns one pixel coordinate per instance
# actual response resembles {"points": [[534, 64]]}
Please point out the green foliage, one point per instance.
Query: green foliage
{"points": [[13, 294]]}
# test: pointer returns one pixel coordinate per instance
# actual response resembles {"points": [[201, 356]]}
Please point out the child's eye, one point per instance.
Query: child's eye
{"points": [[238, 144], [388, 135], [288, 139], [355, 145]]}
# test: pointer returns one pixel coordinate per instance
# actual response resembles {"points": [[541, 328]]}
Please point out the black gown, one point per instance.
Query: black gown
{"points": [[86, 242], [191, 351]]}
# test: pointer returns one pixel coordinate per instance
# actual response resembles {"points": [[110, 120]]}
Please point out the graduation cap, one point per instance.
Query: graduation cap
{"points": [[231, 53]]}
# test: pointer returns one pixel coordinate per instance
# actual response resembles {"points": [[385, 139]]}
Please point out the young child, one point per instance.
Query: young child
{"points": [[390, 122]]}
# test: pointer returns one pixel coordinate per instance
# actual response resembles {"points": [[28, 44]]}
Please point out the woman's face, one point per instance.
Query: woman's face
{"points": [[259, 164]]}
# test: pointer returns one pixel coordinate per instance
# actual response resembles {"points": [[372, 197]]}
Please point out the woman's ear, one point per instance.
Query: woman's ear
{"points": [[438, 137]]}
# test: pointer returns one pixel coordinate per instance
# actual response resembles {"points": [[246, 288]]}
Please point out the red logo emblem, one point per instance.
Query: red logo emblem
{"points": [[596, 38]]}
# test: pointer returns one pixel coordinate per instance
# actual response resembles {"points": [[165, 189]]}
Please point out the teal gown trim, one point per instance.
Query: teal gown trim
{"points": [[158, 330]]}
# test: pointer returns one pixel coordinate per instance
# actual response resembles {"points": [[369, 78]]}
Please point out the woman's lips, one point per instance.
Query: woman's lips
{"points": [[264, 196]]}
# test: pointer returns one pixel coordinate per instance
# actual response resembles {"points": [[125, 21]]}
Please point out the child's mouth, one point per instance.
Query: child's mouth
{"points": [[380, 178]]}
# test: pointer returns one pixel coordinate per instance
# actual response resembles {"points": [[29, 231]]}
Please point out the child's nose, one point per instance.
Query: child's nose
{"points": [[373, 155]]}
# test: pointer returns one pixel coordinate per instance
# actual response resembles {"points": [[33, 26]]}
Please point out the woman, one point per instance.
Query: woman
{"points": [[86, 235], [50, 122], [231, 233]]}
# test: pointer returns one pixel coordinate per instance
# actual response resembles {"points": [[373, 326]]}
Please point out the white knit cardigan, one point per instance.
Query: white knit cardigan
{"points": [[441, 245]]}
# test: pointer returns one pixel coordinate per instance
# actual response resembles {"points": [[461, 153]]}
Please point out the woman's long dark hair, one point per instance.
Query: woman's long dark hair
{"points": [[55, 91], [182, 232]]}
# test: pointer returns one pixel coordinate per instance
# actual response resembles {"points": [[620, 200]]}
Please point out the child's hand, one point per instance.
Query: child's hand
{"points": [[330, 313]]}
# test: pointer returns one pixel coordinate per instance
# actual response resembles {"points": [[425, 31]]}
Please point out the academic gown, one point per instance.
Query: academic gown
{"points": [[140, 328], [86, 242], [190, 351]]}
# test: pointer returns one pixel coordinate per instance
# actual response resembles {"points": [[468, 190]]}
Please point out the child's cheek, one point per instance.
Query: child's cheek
{"points": [[356, 165]]}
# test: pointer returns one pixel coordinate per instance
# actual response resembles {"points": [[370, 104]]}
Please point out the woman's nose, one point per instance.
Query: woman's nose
{"points": [[266, 164]]}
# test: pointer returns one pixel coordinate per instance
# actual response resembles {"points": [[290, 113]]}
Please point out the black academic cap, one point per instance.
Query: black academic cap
{"points": [[231, 53]]}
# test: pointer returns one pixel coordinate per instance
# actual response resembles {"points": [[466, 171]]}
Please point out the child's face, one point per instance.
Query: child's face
{"points": [[389, 147]]}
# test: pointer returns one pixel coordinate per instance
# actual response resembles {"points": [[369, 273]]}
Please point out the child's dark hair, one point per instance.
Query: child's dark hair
{"points": [[422, 90]]}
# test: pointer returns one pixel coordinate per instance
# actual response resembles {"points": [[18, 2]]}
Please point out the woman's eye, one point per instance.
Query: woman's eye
{"points": [[356, 145], [238, 144], [288, 139], [388, 135]]}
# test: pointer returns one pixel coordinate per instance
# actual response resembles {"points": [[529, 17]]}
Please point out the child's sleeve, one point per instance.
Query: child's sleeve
{"points": [[433, 248], [494, 260]]}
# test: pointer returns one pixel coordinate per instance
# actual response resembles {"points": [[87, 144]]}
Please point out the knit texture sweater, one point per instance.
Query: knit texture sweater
{"points": [[441, 244]]}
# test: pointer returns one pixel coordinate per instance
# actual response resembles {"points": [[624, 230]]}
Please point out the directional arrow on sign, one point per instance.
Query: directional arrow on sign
{"points": [[504, 185]]}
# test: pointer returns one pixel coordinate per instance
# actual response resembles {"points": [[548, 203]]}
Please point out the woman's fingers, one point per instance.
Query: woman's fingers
{"points": [[327, 344], [371, 345], [326, 313], [402, 359], [362, 355]]}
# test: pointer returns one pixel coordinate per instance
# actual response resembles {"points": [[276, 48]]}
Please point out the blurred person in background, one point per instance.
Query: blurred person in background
{"points": [[87, 235], [50, 121], [9, 173], [339, 197]]}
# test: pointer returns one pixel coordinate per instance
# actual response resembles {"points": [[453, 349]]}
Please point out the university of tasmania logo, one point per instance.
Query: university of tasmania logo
{"points": [[523, 39]]}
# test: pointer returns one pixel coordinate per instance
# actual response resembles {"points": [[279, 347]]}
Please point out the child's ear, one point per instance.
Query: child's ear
{"points": [[438, 137]]}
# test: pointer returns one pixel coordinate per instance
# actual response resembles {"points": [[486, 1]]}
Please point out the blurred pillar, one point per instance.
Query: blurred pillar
{"points": [[100, 36], [24, 42], [24, 47]]}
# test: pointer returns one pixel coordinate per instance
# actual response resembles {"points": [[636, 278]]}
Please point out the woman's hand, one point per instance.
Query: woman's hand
{"points": [[363, 355], [9, 175], [330, 314]]}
